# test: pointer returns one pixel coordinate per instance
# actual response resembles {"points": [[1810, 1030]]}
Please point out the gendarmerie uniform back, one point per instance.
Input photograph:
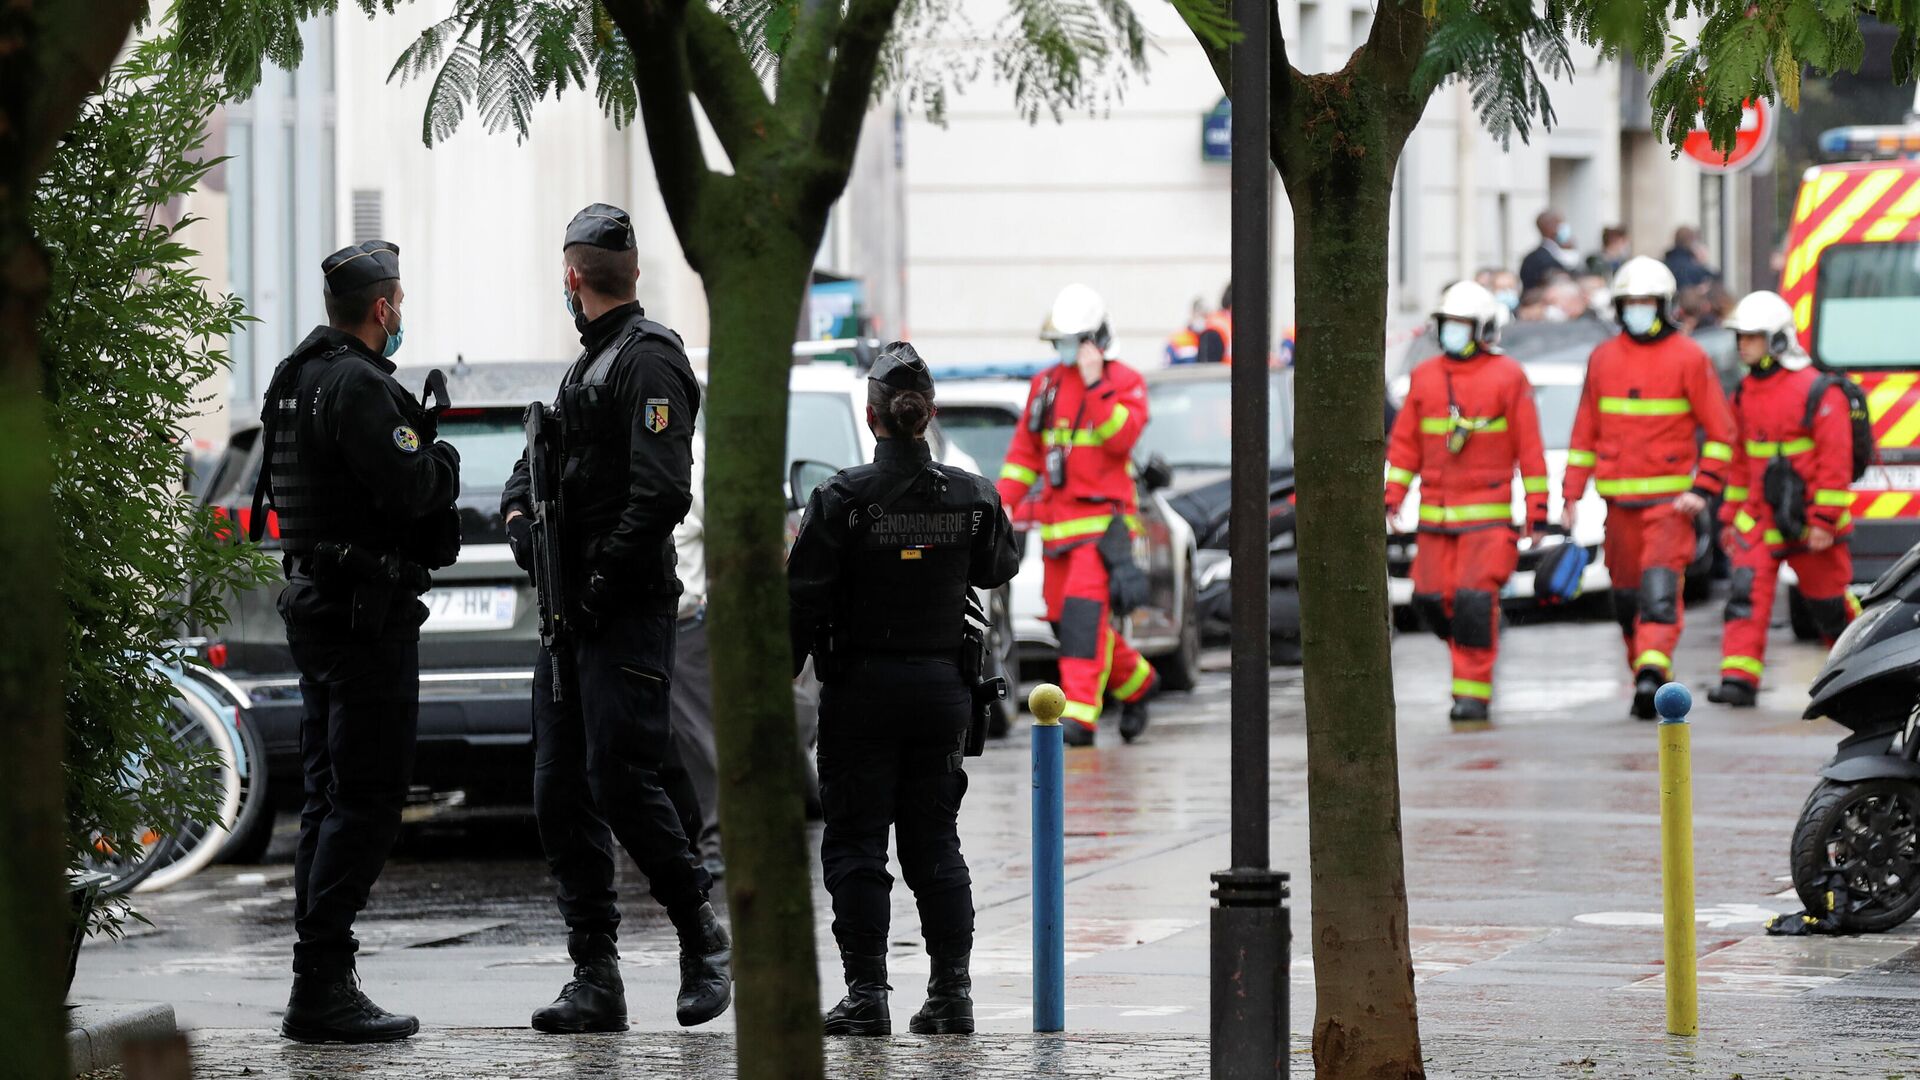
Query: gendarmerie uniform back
{"points": [[364, 494], [604, 765]]}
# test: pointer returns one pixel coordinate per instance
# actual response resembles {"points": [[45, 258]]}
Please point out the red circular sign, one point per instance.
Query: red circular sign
{"points": [[1756, 131]]}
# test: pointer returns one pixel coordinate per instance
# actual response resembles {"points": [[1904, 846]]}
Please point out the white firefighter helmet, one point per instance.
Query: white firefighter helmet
{"points": [[1078, 312], [1473, 304], [1642, 277], [1769, 314]]}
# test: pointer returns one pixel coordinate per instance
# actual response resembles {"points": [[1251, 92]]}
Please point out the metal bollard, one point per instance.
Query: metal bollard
{"points": [[1673, 702], [1049, 861]]}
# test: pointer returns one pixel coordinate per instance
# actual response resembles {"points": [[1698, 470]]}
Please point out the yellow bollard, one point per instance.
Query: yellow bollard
{"points": [[1676, 857]]}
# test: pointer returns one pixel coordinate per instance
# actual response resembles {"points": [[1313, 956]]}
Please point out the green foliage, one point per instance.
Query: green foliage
{"points": [[503, 56], [1502, 48], [129, 333]]}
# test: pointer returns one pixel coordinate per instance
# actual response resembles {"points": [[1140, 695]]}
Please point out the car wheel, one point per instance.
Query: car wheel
{"points": [[1180, 669], [1801, 616], [1003, 653]]}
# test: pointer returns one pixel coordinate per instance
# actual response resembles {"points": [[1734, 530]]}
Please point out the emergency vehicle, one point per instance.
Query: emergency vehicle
{"points": [[1852, 275]]}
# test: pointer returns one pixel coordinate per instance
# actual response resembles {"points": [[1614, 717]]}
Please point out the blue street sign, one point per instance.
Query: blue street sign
{"points": [[1216, 134]]}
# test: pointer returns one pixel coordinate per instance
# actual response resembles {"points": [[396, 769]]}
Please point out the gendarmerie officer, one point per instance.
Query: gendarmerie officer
{"points": [[626, 411], [364, 493], [879, 577]]}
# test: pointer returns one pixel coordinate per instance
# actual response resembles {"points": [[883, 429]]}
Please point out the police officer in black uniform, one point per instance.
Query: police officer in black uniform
{"points": [[603, 757], [364, 494], [879, 578]]}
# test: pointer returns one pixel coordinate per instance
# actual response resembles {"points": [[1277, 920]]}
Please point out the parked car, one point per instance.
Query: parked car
{"points": [[478, 644], [979, 410], [1191, 432]]}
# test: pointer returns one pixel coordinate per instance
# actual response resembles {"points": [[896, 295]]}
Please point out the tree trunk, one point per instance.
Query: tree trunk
{"points": [[1340, 182], [754, 298], [51, 55]]}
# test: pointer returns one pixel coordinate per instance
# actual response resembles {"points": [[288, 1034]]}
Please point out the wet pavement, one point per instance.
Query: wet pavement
{"points": [[1533, 866]]}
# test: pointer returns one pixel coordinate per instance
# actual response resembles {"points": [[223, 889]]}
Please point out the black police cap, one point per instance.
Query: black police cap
{"points": [[900, 367], [602, 226], [359, 265]]}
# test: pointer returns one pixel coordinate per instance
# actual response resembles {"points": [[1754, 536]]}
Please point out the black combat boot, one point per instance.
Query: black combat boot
{"points": [[595, 999], [1468, 711], [864, 1010], [1645, 685], [328, 1007], [1735, 692], [1133, 719], [949, 1007], [706, 976], [1075, 733]]}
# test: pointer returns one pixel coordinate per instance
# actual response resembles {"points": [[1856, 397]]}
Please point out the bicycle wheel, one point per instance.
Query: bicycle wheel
{"points": [[197, 724], [253, 827]]}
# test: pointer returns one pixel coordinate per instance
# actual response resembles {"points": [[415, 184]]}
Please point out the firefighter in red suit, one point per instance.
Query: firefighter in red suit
{"points": [[1783, 426], [1468, 423], [1074, 444], [1654, 433]]}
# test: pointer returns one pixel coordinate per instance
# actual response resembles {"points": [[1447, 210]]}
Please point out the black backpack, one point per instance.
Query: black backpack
{"points": [[1863, 449]]}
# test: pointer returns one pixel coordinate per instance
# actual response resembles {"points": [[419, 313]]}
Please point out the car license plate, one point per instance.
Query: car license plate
{"points": [[1890, 478], [469, 607]]}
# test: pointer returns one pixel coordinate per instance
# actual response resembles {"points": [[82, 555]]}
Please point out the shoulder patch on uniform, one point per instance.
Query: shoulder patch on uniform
{"points": [[656, 415], [407, 439]]}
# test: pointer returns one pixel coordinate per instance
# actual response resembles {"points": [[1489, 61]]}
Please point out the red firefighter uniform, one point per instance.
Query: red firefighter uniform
{"points": [[1638, 436], [1466, 426], [1771, 412], [1088, 434]]}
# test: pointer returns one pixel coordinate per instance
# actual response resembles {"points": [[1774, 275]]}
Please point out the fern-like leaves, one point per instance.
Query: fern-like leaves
{"points": [[1507, 52]]}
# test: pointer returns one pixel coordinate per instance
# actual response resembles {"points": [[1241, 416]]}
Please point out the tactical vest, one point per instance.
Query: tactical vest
{"points": [[312, 493], [596, 432], [907, 569]]}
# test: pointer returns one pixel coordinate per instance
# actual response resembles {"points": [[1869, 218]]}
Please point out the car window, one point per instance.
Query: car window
{"points": [[232, 480], [982, 431], [1866, 304], [1190, 422], [489, 444], [820, 428]]}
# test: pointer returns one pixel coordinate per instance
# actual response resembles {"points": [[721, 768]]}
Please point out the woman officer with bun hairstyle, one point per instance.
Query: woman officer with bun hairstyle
{"points": [[879, 577]]}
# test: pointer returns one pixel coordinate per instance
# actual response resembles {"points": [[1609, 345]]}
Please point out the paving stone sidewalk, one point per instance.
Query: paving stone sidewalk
{"points": [[462, 1053]]}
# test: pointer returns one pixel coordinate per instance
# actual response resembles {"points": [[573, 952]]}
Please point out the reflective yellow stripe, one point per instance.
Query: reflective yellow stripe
{"points": [[1832, 498], [1736, 494], [1581, 459], [1477, 512], [1534, 485], [1716, 451], [1772, 537], [1400, 476], [1646, 485], [1441, 425], [1846, 519], [1113, 425], [1469, 688], [1067, 530], [1770, 449], [1653, 658], [1019, 473], [1742, 663], [1062, 436], [1081, 711], [1743, 521], [1623, 406], [1142, 671]]}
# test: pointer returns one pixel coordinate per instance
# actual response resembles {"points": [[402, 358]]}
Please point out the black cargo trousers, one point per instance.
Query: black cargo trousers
{"points": [[891, 734], [604, 769], [360, 694]]}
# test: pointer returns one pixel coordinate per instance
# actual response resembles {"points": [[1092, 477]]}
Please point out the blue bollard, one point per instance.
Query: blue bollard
{"points": [[1049, 861]]}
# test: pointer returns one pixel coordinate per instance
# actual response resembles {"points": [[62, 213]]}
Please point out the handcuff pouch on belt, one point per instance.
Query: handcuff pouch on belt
{"points": [[975, 630], [371, 579]]}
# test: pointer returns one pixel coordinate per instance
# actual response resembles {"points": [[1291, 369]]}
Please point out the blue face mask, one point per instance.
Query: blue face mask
{"points": [[1069, 350], [566, 297], [394, 336], [1640, 319], [1563, 235], [1456, 338], [1509, 298]]}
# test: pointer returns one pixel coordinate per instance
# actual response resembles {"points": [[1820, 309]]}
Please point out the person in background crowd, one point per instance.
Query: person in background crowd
{"points": [[1687, 258], [1564, 300], [1184, 346], [1505, 287], [691, 694], [1556, 251], [1533, 305], [1615, 248], [1216, 340], [1599, 298]]}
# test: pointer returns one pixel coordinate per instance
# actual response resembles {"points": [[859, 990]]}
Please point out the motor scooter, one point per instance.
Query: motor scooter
{"points": [[1856, 847]]}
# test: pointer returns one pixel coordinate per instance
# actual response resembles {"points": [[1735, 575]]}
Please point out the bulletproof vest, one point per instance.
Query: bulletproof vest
{"points": [[313, 494], [907, 569], [596, 431]]}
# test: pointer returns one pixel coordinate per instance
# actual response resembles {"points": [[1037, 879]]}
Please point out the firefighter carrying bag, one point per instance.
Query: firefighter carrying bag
{"points": [[1556, 577], [1127, 588], [1786, 493], [1858, 419]]}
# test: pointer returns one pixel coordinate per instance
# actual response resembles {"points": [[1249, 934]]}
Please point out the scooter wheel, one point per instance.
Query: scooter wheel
{"points": [[1869, 833]]}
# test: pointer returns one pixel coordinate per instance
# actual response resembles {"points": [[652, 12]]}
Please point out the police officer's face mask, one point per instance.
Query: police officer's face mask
{"points": [[1640, 319], [394, 335]]}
